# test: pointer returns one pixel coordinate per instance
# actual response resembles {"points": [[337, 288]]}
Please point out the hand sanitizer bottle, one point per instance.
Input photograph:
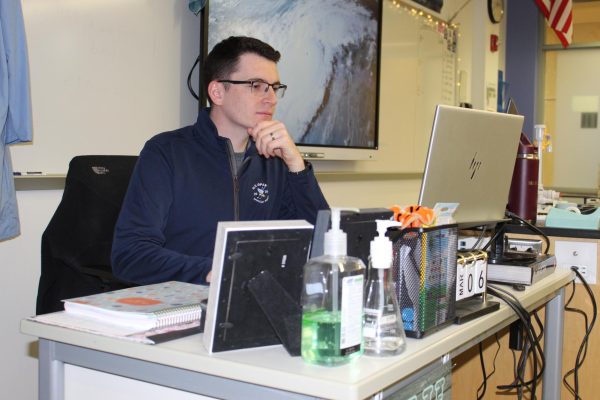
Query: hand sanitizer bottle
{"points": [[383, 331], [332, 301]]}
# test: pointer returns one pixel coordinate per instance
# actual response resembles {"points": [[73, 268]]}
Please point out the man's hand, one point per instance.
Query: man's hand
{"points": [[273, 140]]}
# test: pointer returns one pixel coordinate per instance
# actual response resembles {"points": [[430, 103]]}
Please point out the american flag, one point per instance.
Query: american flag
{"points": [[560, 18]]}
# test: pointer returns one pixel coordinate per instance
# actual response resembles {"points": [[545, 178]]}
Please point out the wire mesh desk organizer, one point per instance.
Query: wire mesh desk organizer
{"points": [[424, 271]]}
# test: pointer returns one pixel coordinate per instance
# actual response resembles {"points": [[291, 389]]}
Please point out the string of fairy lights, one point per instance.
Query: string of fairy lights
{"points": [[448, 31]]}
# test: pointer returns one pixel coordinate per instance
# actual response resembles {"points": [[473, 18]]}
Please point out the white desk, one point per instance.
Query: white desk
{"points": [[270, 373]]}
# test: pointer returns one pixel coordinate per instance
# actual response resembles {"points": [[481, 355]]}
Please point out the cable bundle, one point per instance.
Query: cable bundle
{"points": [[531, 345], [580, 358]]}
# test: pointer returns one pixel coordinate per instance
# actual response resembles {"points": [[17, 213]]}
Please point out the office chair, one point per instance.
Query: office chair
{"points": [[77, 242]]}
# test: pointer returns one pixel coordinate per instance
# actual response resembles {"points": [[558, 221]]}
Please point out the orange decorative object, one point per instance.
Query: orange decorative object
{"points": [[413, 216], [138, 301]]}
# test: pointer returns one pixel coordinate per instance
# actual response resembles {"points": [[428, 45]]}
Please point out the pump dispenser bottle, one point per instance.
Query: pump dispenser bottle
{"points": [[332, 301], [383, 330]]}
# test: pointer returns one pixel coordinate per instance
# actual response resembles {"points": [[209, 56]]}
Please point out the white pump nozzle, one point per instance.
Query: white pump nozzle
{"points": [[381, 246], [335, 239]]}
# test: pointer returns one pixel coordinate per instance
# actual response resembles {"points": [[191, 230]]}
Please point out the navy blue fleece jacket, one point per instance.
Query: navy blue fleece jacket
{"points": [[183, 184]]}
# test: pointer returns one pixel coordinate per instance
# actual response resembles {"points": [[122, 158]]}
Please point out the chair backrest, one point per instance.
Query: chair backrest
{"points": [[77, 242]]}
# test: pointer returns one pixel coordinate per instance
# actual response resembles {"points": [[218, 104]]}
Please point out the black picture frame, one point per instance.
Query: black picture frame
{"points": [[243, 309]]}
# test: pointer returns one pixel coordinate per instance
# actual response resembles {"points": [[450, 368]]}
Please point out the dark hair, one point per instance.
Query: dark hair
{"points": [[224, 58]]}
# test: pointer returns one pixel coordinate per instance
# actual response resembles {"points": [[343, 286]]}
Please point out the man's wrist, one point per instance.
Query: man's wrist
{"points": [[297, 166], [299, 171]]}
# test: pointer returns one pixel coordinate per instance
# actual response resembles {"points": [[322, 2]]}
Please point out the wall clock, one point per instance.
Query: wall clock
{"points": [[496, 10]]}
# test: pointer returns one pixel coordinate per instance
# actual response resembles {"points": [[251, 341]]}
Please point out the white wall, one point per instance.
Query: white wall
{"points": [[475, 57], [576, 93], [20, 257], [86, 58], [106, 75]]}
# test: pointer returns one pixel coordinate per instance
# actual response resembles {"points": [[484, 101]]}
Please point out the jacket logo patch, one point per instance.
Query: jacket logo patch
{"points": [[260, 192]]}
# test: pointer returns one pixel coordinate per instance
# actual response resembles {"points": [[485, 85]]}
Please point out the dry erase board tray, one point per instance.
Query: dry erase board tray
{"points": [[57, 181], [40, 182]]}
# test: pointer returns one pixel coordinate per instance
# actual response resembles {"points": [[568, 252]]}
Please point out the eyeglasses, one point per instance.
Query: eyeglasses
{"points": [[260, 88]]}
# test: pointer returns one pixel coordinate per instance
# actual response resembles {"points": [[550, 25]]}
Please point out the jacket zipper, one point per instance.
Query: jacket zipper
{"points": [[236, 184]]}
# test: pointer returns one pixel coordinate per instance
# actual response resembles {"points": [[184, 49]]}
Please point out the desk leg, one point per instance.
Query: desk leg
{"points": [[51, 372], [553, 346]]}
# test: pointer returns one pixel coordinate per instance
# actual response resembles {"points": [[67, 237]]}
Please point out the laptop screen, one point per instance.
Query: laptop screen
{"points": [[470, 161]]}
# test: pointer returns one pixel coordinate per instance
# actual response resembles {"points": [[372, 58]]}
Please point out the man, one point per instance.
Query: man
{"points": [[235, 163]]}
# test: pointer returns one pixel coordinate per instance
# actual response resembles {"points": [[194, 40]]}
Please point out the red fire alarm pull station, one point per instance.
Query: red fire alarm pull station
{"points": [[493, 43]]}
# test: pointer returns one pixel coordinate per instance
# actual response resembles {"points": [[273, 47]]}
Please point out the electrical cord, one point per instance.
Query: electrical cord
{"points": [[515, 367], [189, 79], [493, 238], [531, 226], [520, 384], [573, 309], [540, 325], [529, 326], [581, 354], [532, 345], [572, 390], [479, 239], [483, 385], [525, 356]]}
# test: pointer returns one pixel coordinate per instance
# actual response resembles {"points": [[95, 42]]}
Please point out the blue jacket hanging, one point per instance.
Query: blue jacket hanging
{"points": [[15, 107]]}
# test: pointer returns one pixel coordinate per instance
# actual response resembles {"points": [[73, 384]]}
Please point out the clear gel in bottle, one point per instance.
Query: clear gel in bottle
{"points": [[332, 302], [383, 331]]}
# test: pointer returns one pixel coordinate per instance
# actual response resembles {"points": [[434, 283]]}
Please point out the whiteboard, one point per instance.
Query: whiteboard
{"points": [[418, 71], [105, 76]]}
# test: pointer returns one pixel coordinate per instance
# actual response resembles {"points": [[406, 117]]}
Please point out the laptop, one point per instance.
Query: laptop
{"points": [[470, 161]]}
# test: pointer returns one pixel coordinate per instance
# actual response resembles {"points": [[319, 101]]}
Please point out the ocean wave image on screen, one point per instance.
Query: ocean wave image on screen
{"points": [[329, 62]]}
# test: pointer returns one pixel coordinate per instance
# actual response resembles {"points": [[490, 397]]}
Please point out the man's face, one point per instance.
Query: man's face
{"points": [[244, 107]]}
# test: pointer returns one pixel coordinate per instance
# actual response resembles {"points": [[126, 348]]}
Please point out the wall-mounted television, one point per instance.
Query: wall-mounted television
{"points": [[434, 5], [330, 62]]}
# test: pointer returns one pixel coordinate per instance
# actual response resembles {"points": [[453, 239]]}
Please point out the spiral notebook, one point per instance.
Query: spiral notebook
{"points": [[149, 307]]}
